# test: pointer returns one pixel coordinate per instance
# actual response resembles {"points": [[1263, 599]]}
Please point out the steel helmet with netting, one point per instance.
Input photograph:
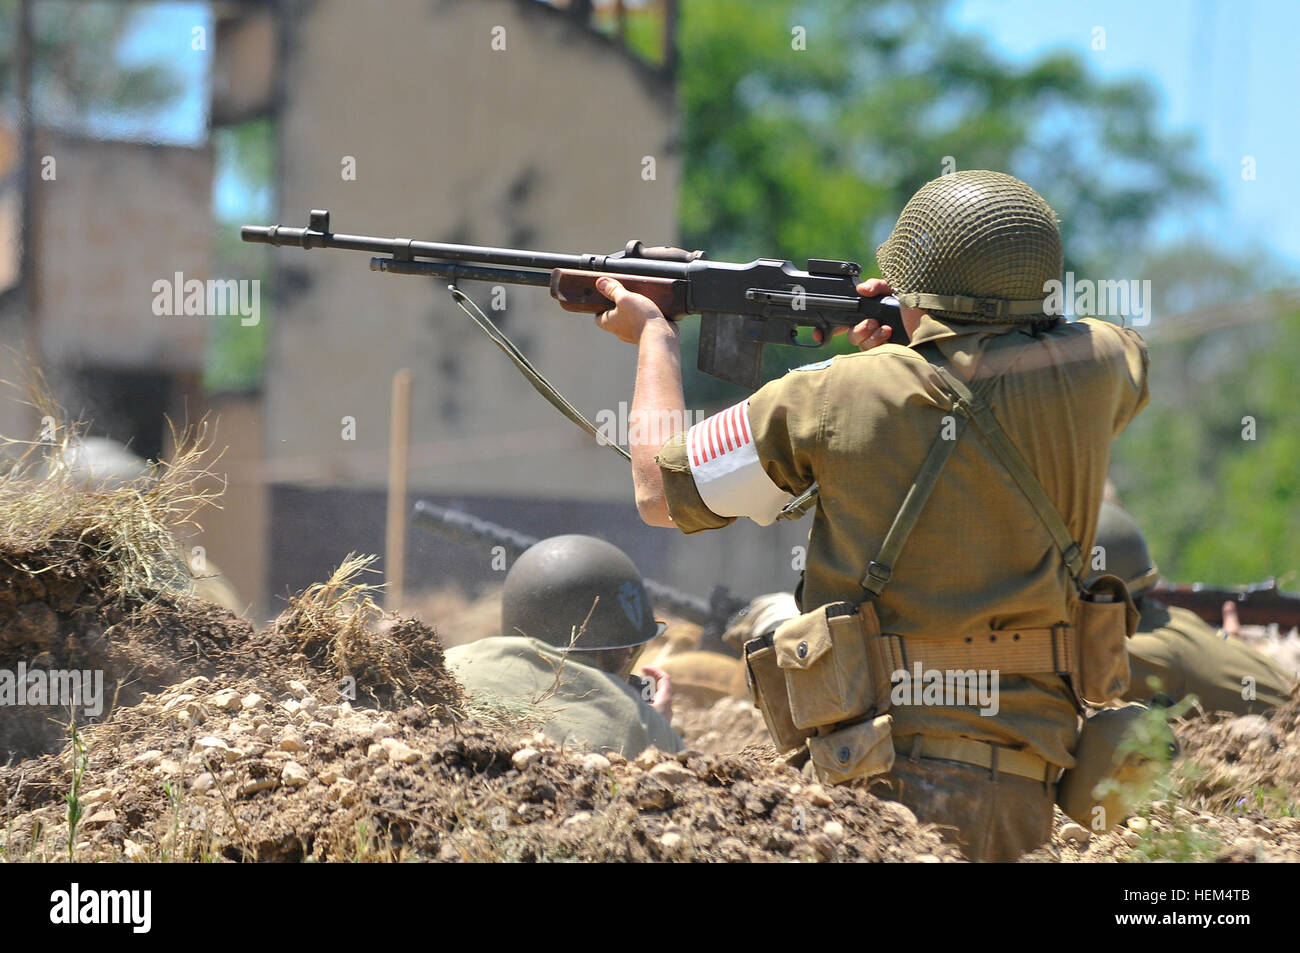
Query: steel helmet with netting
{"points": [[974, 246]]}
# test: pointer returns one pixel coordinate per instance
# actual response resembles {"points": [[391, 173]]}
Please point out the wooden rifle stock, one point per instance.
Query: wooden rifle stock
{"points": [[576, 291]]}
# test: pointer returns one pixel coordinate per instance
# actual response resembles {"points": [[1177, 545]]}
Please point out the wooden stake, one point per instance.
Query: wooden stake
{"points": [[398, 451]]}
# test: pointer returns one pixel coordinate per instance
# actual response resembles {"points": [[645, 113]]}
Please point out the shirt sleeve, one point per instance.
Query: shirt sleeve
{"points": [[1131, 353], [747, 460]]}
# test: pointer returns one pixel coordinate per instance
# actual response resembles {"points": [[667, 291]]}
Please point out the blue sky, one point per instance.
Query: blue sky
{"points": [[1226, 71]]}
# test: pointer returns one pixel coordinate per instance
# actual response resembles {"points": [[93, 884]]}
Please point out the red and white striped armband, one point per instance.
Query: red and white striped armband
{"points": [[728, 474]]}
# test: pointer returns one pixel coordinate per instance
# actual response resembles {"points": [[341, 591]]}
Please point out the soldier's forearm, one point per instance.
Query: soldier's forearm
{"points": [[658, 412]]}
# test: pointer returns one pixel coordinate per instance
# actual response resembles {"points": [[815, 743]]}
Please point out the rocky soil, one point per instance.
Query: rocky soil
{"points": [[295, 743]]}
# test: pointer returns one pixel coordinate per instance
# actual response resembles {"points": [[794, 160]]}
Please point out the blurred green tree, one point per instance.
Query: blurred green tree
{"points": [[807, 126], [77, 74], [1210, 467]]}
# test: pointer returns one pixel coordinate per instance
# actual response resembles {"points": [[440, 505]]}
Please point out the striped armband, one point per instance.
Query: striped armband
{"points": [[728, 474]]}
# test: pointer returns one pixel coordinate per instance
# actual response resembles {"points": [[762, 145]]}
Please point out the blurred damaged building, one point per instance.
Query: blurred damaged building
{"points": [[495, 122]]}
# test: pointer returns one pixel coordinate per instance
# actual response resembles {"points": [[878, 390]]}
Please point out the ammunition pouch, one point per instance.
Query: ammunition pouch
{"points": [[859, 750], [822, 678], [1104, 620], [817, 670]]}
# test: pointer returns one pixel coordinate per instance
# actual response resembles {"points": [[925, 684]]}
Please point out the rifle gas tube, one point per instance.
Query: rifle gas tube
{"points": [[742, 306]]}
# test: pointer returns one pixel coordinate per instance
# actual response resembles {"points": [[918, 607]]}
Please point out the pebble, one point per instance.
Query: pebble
{"points": [[198, 681], [382, 730], [1137, 823], [581, 819], [1132, 838], [212, 745], [327, 776], [290, 740], [1075, 834], [355, 730], [202, 782], [310, 704], [256, 785], [818, 796], [671, 773], [615, 757], [226, 700], [132, 850], [298, 690], [671, 841], [648, 758], [399, 751], [525, 758], [99, 818], [179, 700], [294, 775], [834, 830], [265, 732], [927, 859], [595, 763], [148, 758], [96, 796]]}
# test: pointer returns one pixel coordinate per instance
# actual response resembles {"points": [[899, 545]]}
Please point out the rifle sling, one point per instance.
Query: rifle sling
{"points": [[530, 372]]}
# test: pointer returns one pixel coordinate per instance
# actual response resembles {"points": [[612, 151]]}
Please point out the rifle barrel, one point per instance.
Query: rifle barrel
{"points": [[407, 248]]}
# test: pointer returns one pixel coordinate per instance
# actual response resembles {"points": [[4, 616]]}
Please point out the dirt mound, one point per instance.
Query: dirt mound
{"points": [[250, 770], [1245, 762], [392, 663], [60, 615]]}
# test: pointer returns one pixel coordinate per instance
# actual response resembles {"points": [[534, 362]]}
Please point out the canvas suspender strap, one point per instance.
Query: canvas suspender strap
{"points": [[977, 408], [881, 568]]}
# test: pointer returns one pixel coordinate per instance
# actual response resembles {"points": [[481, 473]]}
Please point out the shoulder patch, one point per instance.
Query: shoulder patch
{"points": [[815, 367]]}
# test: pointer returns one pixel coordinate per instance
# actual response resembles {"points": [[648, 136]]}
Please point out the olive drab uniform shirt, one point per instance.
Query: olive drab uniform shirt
{"points": [[979, 557], [1184, 656], [585, 707]]}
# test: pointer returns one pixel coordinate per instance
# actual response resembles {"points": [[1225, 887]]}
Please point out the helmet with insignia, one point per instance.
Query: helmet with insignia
{"points": [[1124, 549], [974, 246], [577, 592]]}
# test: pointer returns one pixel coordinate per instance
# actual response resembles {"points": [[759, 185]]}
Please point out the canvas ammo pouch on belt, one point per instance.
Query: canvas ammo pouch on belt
{"points": [[819, 669], [1104, 619]]}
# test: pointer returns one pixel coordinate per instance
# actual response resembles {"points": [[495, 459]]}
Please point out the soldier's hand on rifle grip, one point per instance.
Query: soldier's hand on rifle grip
{"points": [[631, 312], [869, 333]]}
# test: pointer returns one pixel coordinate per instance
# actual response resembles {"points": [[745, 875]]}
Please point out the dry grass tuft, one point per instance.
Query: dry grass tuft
{"points": [[53, 514], [339, 628], [333, 620]]}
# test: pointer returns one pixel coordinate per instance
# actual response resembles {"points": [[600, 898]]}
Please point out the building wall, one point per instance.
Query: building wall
{"points": [[539, 145], [116, 217]]}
